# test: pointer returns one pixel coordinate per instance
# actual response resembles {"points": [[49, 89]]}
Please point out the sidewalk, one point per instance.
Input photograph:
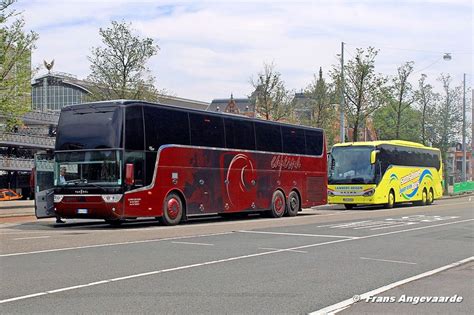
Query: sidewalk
{"points": [[455, 283], [17, 208]]}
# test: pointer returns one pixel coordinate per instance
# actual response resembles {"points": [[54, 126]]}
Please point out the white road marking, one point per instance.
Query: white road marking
{"points": [[109, 244], [284, 250], [30, 238], [190, 243], [335, 308], [213, 262], [294, 234], [393, 226], [386, 260]]}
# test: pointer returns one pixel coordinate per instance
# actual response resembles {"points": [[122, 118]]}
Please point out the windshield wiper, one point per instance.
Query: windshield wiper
{"points": [[82, 181]]}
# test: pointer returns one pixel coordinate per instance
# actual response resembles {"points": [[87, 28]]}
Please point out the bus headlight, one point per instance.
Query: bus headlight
{"points": [[58, 198], [330, 193], [112, 198], [369, 192]]}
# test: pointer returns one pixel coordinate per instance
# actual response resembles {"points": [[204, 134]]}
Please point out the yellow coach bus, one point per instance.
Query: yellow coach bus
{"points": [[384, 173]]}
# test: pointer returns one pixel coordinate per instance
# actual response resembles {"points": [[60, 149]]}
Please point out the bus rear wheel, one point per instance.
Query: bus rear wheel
{"points": [[293, 204], [172, 209], [278, 205], [430, 197], [391, 200]]}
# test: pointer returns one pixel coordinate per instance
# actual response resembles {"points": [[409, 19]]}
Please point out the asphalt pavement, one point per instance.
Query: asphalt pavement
{"points": [[298, 265]]}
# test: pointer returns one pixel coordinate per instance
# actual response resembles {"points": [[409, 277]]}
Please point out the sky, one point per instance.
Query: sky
{"points": [[210, 49]]}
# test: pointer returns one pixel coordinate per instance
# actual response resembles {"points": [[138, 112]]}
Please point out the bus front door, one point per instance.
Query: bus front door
{"points": [[44, 185]]}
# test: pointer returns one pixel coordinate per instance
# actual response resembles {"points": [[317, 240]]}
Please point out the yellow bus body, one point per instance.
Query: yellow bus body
{"points": [[408, 183]]}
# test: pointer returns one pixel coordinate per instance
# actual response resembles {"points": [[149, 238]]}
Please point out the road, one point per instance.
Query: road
{"points": [[266, 266]]}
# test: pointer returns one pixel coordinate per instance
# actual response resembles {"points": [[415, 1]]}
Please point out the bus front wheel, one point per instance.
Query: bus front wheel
{"points": [[391, 200], [278, 205], [172, 209], [348, 206]]}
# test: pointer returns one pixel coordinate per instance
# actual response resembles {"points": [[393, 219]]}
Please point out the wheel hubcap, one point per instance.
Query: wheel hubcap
{"points": [[278, 204], [173, 208], [293, 203]]}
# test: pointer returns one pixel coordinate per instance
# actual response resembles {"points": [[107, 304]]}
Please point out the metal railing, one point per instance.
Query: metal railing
{"points": [[16, 164], [28, 140]]}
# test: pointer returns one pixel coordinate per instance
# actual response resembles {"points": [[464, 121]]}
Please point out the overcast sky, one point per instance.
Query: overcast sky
{"points": [[210, 49]]}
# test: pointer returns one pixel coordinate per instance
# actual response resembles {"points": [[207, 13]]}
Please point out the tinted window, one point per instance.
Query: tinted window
{"points": [[89, 127], [239, 134], [149, 167], [293, 140], [206, 130], [134, 128], [165, 126], [391, 155], [314, 142], [268, 137]]}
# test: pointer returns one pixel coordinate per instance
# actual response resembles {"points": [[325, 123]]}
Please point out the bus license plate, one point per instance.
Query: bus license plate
{"points": [[347, 199], [82, 211]]}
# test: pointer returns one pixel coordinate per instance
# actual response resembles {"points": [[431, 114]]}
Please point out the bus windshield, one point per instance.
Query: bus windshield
{"points": [[351, 165], [88, 167]]}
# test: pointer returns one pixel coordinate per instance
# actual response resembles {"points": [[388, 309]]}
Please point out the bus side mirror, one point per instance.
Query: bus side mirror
{"points": [[373, 156], [129, 174]]}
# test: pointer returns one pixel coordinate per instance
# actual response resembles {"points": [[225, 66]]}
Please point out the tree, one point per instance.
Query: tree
{"points": [[384, 120], [319, 103], [364, 90], [402, 95], [271, 99], [426, 99], [118, 70], [15, 64], [449, 117]]}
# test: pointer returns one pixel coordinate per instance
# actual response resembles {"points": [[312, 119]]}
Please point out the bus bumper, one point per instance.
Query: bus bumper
{"points": [[88, 207]]}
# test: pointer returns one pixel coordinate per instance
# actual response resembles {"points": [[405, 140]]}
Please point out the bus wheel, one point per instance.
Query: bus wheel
{"points": [[424, 198], [391, 200], [430, 197], [172, 209], [293, 204], [278, 205], [348, 206]]}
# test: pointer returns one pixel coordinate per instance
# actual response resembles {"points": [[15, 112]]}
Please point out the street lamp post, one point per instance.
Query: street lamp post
{"points": [[342, 136]]}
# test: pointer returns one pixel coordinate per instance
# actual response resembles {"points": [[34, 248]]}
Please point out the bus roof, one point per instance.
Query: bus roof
{"points": [[114, 103], [401, 143]]}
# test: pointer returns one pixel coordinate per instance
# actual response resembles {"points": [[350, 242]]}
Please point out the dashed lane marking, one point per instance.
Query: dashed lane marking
{"points": [[294, 234], [387, 260]]}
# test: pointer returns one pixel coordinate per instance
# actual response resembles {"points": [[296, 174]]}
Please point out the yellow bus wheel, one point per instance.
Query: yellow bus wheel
{"points": [[390, 200]]}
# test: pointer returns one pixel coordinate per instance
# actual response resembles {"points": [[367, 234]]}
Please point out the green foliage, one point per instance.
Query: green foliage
{"points": [[271, 98], [15, 65], [384, 121], [426, 99], [118, 69], [318, 109], [401, 97], [364, 89]]}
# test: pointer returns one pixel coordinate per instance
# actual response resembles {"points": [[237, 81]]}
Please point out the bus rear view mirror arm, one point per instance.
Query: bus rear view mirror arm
{"points": [[373, 156]]}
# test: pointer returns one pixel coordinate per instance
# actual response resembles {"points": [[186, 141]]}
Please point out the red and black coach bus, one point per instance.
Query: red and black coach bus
{"points": [[119, 160]]}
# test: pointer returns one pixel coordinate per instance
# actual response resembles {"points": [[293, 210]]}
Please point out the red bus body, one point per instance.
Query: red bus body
{"points": [[211, 181]]}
